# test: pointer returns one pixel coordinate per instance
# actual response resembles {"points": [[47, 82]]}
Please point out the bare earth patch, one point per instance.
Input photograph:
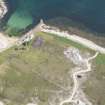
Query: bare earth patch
{"points": [[6, 42]]}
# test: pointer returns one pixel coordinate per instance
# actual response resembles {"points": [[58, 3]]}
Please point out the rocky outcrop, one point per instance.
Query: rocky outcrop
{"points": [[3, 8]]}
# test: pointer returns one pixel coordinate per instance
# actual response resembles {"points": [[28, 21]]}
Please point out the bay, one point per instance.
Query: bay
{"points": [[91, 13]]}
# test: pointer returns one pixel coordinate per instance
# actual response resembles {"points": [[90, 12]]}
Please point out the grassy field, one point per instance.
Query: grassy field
{"points": [[66, 42], [95, 86], [40, 70], [37, 72]]}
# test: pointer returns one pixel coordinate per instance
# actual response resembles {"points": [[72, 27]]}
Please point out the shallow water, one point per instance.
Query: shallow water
{"points": [[89, 12]]}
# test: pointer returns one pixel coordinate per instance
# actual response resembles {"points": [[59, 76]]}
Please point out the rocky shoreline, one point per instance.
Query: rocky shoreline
{"points": [[5, 41], [3, 9], [74, 37], [77, 28]]}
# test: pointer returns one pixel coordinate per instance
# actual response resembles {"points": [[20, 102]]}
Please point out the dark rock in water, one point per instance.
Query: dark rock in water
{"points": [[38, 42]]}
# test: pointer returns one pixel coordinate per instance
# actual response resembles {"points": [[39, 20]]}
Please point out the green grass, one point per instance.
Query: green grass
{"points": [[6, 54], [95, 86], [35, 71], [66, 42], [100, 60], [42, 68]]}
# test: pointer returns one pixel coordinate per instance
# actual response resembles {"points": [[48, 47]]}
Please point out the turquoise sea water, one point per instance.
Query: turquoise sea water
{"points": [[26, 12]]}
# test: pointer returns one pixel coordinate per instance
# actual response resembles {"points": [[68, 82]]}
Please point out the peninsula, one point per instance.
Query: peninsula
{"points": [[49, 66]]}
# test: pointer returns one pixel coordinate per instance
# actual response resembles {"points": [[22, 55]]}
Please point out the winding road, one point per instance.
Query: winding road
{"points": [[76, 84]]}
